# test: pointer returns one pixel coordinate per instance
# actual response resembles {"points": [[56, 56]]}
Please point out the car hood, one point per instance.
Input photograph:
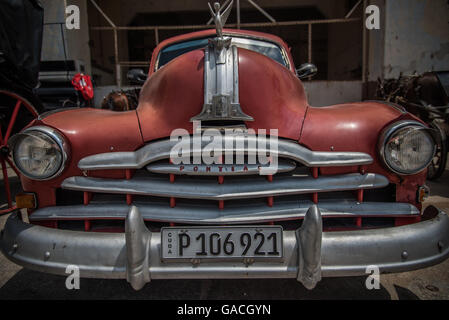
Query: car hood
{"points": [[268, 92]]}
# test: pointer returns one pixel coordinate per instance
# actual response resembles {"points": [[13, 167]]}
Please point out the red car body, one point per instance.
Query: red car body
{"points": [[346, 127], [270, 93]]}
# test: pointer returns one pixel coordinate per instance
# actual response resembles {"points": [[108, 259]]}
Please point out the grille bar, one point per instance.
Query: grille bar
{"points": [[194, 214], [248, 145], [216, 169], [190, 188]]}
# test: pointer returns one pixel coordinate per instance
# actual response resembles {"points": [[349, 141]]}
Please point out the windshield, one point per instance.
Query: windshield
{"points": [[268, 49]]}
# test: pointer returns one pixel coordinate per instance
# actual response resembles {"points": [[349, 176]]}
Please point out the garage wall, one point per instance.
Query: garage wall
{"points": [[78, 45], [331, 43], [417, 36], [326, 93], [52, 40], [123, 11], [58, 43]]}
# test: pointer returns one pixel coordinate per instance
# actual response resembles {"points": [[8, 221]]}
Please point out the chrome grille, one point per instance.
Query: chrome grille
{"points": [[220, 194], [234, 188]]}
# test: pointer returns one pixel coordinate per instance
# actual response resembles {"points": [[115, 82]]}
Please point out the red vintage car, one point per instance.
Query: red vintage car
{"points": [[104, 193]]}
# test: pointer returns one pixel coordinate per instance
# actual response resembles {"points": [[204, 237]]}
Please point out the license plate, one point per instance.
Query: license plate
{"points": [[257, 243]]}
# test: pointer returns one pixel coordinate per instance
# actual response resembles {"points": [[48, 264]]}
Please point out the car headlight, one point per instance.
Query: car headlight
{"points": [[407, 147], [39, 153]]}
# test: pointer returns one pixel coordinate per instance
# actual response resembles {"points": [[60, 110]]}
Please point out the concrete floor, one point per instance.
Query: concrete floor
{"points": [[429, 284]]}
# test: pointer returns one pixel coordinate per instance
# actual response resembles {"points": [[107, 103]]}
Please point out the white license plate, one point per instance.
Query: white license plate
{"points": [[222, 243]]}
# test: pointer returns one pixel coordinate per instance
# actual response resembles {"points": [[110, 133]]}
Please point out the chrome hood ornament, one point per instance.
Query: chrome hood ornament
{"points": [[219, 17], [221, 74]]}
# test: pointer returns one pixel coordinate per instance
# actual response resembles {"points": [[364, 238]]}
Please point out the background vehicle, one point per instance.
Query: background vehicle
{"points": [[427, 97]]}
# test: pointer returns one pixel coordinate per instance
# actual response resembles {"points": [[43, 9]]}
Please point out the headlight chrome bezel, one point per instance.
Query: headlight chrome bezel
{"points": [[396, 127], [54, 135]]}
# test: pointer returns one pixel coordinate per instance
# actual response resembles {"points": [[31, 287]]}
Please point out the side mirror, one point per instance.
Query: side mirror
{"points": [[137, 76], [306, 70]]}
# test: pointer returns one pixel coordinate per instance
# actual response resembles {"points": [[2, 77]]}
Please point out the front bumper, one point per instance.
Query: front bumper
{"points": [[309, 253]]}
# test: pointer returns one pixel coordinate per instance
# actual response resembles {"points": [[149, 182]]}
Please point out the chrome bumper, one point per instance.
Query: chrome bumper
{"points": [[309, 253]]}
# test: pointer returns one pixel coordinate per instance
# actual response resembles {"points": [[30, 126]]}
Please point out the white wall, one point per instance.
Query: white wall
{"points": [[326, 93], [76, 41], [376, 46], [416, 37], [52, 42]]}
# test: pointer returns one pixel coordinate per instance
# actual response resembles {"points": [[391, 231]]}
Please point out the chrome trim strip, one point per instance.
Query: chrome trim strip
{"points": [[286, 149], [221, 83], [119, 255], [231, 214], [216, 169], [190, 188]]}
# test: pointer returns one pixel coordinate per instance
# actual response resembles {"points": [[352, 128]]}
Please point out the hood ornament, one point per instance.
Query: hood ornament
{"points": [[219, 17], [221, 74]]}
